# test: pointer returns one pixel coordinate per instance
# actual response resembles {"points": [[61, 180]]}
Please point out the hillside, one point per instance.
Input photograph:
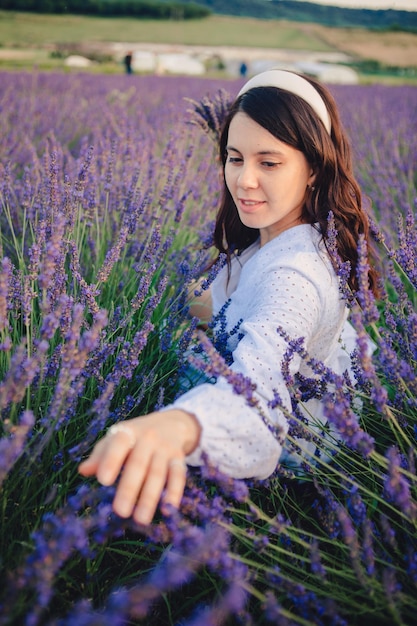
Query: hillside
{"points": [[43, 41], [295, 10], [180, 10]]}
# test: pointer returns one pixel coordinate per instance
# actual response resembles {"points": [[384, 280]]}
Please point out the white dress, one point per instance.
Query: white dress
{"points": [[290, 283]]}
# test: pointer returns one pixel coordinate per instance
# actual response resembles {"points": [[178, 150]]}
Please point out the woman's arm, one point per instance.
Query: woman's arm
{"points": [[237, 436]]}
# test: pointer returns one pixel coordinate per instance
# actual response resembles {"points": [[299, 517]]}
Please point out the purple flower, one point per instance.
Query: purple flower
{"points": [[229, 486], [50, 264], [22, 371], [397, 486], [388, 532], [339, 413], [368, 550], [113, 255], [391, 585], [5, 276], [274, 612], [13, 442], [407, 239], [350, 538], [89, 293], [210, 112], [315, 560], [364, 294], [343, 268], [356, 506], [193, 548], [123, 165], [231, 603]]}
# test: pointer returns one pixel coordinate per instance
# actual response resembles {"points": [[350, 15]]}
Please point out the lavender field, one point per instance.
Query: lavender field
{"points": [[108, 191]]}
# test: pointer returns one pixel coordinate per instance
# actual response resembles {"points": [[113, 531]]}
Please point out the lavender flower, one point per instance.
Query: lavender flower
{"points": [[210, 112], [22, 371], [343, 268], [274, 612], [5, 275], [315, 560], [396, 485], [13, 442], [336, 400], [53, 254], [350, 538], [364, 294], [130, 164], [368, 551], [113, 255], [407, 244], [196, 548]]}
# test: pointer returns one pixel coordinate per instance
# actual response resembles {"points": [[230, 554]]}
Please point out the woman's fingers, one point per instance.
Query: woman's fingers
{"points": [[177, 476], [143, 481], [109, 454], [148, 454], [118, 443], [152, 489], [90, 465], [143, 477], [133, 477]]}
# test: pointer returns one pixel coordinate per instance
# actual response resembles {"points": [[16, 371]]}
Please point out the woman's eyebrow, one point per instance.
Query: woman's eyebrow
{"points": [[261, 152], [272, 152]]}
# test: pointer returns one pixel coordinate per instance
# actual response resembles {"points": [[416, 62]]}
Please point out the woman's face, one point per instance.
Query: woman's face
{"points": [[266, 178]]}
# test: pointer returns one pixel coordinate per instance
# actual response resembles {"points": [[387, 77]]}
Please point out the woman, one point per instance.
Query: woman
{"points": [[286, 165]]}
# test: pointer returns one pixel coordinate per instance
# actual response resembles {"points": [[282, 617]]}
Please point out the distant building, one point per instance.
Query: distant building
{"points": [[328, 72], [76, 60], [179, 63], [167, 63]]}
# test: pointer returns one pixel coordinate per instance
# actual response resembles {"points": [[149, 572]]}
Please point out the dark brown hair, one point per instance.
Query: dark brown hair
{"points": [[292, 120]]}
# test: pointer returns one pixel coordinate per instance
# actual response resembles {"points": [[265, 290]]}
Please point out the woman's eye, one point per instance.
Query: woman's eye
{"points": [[231, 159], [269, 164]]}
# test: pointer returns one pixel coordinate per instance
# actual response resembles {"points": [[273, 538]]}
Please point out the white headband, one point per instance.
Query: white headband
{"points": [[295, 84]]}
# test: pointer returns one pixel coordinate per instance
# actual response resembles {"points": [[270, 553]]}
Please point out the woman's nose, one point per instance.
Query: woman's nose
{"points": [[247, 177]]}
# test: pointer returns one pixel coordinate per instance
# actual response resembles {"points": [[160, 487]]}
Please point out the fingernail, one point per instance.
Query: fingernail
{"points": [[105, 478], [123, 508]]}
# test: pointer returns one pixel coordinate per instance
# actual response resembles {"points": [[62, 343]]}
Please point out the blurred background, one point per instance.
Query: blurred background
{"points": [[346, 41]]}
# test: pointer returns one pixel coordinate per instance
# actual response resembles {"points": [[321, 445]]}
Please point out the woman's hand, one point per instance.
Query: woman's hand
{"points": [[149, 453]]}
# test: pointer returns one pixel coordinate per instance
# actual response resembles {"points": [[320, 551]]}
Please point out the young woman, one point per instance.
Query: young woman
{"points": [[287, 165]]}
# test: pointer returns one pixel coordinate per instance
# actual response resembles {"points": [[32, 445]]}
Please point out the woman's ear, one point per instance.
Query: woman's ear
{"points": [[312, 179]]}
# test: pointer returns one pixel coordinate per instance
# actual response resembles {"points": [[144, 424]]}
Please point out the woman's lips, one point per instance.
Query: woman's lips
{"points": [[249, 206]]}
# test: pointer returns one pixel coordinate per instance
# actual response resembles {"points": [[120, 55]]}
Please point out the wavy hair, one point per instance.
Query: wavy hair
{"points": [[292, 120]]}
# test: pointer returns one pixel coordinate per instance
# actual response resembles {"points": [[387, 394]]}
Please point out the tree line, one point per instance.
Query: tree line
{"points": [[327, 15], [293, 10], [145, 9]]}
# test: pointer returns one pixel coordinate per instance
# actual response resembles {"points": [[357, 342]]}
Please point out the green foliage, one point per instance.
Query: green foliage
{"points": [[106, 214], [293, 10], [321, 14], [132, 8]]}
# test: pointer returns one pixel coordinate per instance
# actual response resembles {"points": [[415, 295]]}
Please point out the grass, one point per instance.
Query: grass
{"points": [[26, 29], [34, 41], [41, 60]]}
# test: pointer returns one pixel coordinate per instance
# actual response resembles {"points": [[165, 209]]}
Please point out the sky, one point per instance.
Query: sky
{"points": [[407, 5]]}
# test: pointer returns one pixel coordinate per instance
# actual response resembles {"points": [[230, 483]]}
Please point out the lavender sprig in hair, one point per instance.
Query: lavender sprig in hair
{"points": [[210, 112]]}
